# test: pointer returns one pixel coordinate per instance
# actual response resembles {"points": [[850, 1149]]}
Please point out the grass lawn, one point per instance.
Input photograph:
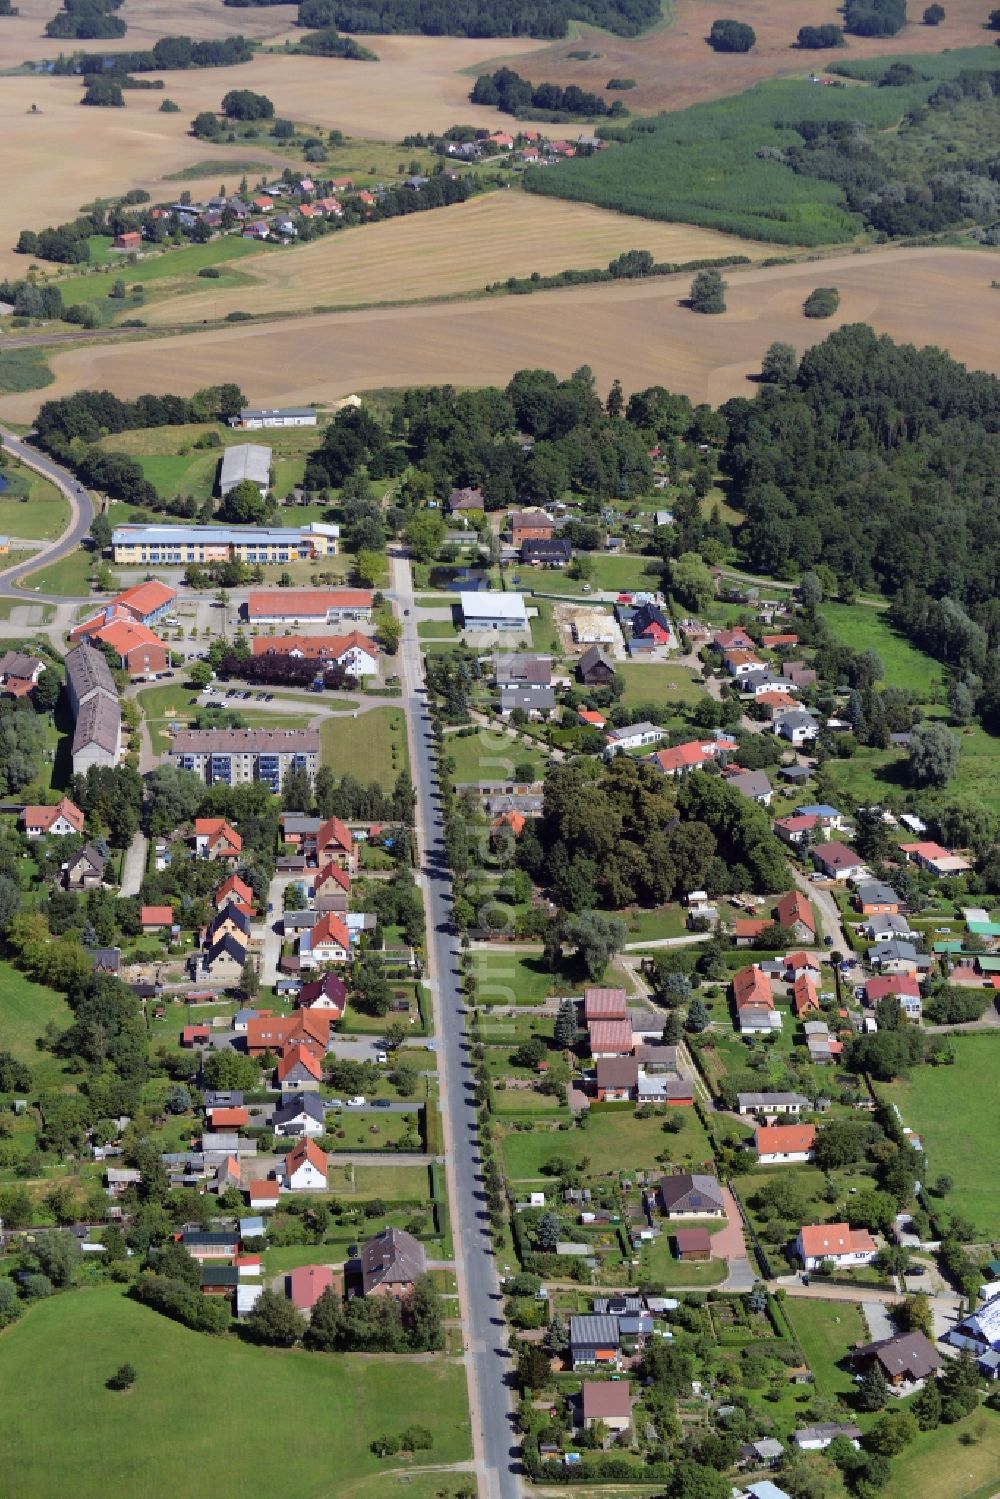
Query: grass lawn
{"points": [[614, 1140], [864, 629], [945, 1106], [826, 1330], [129, 1442], [652, 925], [372, 747], [25, 1011], [609, 572], [176, 704], [36, 510], [364, 1131], [659, 1263], [656, 681], [491, 756], [946, 1461], [69, 576], [516, 978], [170, 264], [438, 629]]}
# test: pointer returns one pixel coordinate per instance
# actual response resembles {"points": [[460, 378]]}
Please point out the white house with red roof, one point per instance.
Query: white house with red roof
{"points": [[305, 1168], [844, 1246], [329, 941], [52, 822], [784, 1144]]}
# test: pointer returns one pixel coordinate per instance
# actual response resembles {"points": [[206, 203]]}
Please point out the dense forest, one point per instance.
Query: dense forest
{"points": [[881, 462], [546, 18]]}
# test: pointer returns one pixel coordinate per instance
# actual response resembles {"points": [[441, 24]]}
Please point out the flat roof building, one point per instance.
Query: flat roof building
{"points": [[235, 756], [253, 418], [176, 546], [493, 611], [245, 463]]}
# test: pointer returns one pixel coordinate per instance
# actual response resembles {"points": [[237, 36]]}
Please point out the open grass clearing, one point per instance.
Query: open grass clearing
{"points": [[35, 511], [70, 576], [967, 1453], [489, 755], [42, 1459], [516, 978], [945, 1106], [371, 747], [826, 1331], [633, 330], [612, 1140], [865, 629], [608, 572], [657, 682], [462, 249], [26, 1011], [178, 266], [659, 1263]]}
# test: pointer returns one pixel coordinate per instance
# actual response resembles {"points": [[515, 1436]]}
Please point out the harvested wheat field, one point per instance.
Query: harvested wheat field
{"points": [[23, 39], [65, 156], [638, 331], [450, 251], [673, 66]]}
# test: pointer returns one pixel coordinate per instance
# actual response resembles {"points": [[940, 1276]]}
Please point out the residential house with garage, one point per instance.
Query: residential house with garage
{"points": [[763, 1104], [332, 889], [903, 985], [681, 758], [835, 861], [302, 1115], [329, 941], [798, 727], [300, 1069], [795, 913], [876, 898], [617, 1079]]}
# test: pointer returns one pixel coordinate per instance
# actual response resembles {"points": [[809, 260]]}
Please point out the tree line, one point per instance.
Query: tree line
{"points": [[169, 53], [542, 18], [508, 91]]}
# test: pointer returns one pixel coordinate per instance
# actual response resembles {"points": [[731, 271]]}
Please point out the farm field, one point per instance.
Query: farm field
{"points": [[944, 1106], [345, 1399], [460, 249], [637, 332], [673, 66], [371, 747]]}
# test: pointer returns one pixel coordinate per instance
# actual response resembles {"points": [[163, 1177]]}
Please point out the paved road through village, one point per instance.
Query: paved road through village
{"points": [[487, 1358]]}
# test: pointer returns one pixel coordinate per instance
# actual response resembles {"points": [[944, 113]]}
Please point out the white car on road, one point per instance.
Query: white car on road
{"points": [[357, 1102]]}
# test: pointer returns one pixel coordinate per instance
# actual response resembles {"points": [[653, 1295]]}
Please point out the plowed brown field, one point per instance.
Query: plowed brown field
{"points": [[638, 331]]}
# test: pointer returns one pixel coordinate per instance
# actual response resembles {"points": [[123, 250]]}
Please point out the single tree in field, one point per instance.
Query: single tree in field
{"points": [[123, 1378], [934, 755], [934, 15], [708, 292]]}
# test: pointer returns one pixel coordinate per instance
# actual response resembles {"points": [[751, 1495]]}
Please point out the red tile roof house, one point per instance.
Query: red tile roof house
{"points": [[837, 862], [305, 1285], [53, 822], [747, 929], [690, 756], [609, 1402], [305, 1168], [800, 962], [195, 1035], [155, 918], [805, 1000], [300, 1070], [795, 912], [751, 986], [610, 1038], [796, 830], [779, 1144], [733, 640], [263, 1195], [215, 838], [334, 845], [845, 1247], [604, 1004], [233, 890], [229, 1118], [140, 651], [329, 941], [332, 888]]}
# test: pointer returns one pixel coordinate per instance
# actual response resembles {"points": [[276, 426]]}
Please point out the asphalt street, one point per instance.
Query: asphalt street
{"points": [[488, 1358], [83, 513]]}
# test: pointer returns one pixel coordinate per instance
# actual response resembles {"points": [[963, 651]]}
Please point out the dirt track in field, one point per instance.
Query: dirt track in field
{"points": [[449, 251], [638, 331]]}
